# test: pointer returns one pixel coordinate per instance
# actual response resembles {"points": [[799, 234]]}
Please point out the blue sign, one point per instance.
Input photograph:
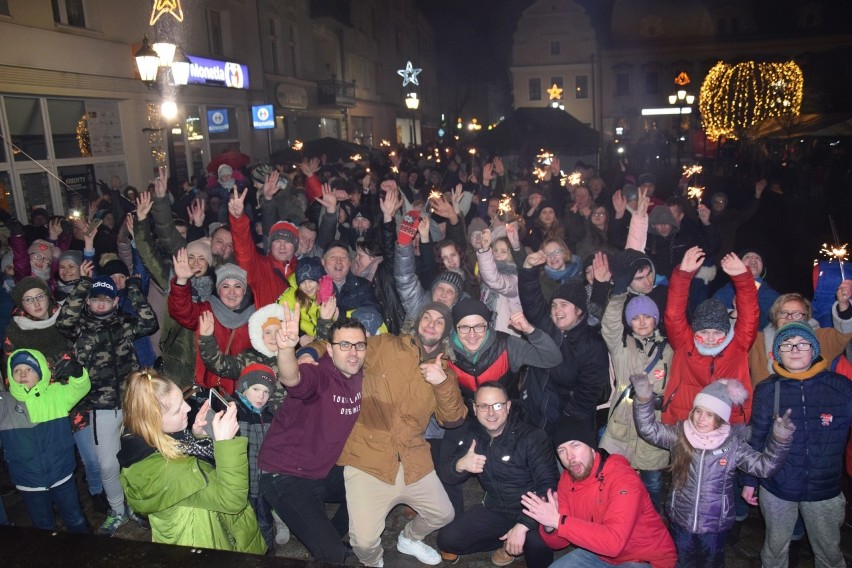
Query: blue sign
{"points": [[203, 71], [262, 117], [217, 121]]}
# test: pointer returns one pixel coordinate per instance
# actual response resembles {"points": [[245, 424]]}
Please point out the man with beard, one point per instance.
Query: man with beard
{"points": [[601, 508]]}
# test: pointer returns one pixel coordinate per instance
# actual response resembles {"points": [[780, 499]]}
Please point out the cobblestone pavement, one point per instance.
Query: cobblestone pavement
{"points": [[742, 556]]}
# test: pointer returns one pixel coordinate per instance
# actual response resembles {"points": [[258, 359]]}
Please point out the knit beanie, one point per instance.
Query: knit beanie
{"points": [[225, 170], [103, 286], [470, 307], [720, 395], [230, 271], [441, 309], [41, 247], [642, 306], [310, 268], [569, 429], [711, 314], [115, 266], [257, 374], [24, 357], [452, 278], [28, 283], [661, 215], [794, 329], [369, 318], [284, 230], [573, 291], [261, 172], [201, 247], [647, 178], [75, 256]]}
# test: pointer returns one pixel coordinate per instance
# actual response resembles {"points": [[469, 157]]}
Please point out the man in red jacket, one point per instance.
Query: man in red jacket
{"points": [[601, 508], [268, 276]]}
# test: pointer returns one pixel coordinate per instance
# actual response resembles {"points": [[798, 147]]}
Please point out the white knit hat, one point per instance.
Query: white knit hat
{"points": [[719, 396]]}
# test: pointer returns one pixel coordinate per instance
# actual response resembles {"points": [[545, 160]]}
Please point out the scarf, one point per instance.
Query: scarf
{"points": [[27, 323], [489, 295], [249, 406], [817, 366], [191, 446], [706, 441], [472, 357], [232, 319], [565, 274], [713, 351]]}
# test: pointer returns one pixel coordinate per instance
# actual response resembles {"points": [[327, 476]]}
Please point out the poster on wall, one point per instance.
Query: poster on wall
{"points": [[104, 128], [217, 121]]}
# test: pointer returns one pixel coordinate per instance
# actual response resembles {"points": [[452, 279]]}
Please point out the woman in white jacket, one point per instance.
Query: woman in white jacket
{"points": [[499, 278]]}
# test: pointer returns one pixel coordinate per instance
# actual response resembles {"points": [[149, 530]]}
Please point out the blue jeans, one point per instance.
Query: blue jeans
{"points": [[264, 520], [40, 507], [582, 558], [86, 446], [698, 550], [653, 480]]}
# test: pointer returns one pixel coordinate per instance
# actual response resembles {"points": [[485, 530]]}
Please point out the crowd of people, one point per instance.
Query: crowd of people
{"points": [[228, 357]]}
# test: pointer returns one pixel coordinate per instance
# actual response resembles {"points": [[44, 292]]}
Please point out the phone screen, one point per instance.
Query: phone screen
{"points": [[217, 402]]}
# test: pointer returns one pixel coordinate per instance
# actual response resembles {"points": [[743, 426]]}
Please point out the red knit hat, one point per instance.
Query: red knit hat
{"points": [[284, 230], [257, 374]]}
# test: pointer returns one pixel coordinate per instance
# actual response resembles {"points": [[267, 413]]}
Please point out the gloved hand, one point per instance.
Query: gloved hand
{"points": [[783, 427], [67, 367], [642, 387]]}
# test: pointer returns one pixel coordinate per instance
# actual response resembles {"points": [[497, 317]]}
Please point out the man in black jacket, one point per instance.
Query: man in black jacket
{"points": [[510, 457]]}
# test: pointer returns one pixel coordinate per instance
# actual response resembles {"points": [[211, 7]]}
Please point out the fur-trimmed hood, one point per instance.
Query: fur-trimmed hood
{"points": [[256, 322]]}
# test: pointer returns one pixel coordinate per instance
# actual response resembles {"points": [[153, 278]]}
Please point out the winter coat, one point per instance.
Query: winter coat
{"points": [[254, 425], [705, 504], [384, 284], [188, 501], [41, 335], [35, 432], [411, 292], [267, 277], [667, 252], [502, 286], [629, 356], [104, 345], [519, 460], [821, 403], [610, 514], [575, 387], [766, 296], [287, 204], [691, 371], [395, 411]]}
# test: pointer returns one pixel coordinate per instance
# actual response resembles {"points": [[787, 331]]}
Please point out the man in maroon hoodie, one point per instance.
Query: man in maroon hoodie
{"points": [[298, 474]]}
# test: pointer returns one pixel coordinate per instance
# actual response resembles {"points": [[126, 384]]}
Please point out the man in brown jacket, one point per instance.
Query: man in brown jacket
{"points": [[387, 461]]}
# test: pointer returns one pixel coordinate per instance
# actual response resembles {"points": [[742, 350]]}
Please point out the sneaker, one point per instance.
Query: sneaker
{"points": [[113, 522], [501, 558], [282, 533], [140, 520], [449, 557], [418, 549]]}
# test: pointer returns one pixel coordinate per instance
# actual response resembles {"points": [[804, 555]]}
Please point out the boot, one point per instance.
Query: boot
{"points": [[100, 503]]}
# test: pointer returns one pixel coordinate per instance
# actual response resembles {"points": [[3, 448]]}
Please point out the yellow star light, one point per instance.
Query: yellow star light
{"points": [[166, 7], [555, 92]]}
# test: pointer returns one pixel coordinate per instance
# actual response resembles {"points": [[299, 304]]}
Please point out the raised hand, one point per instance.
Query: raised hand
{"points": [[144, 203], [54, 229], [693, 259], [487, 174], [642, 386], [328, 309], [309, 167], [546, 512], [225, 425], [759, 187], [519, 321], [128, 225], [703, 214], [328, 199], [536, 258], [471, 462], [732, 265], [457, 194], [288, 334], [600, 267], [195, 211], [445, 209], [485, 240], [390, 204], [87, 268], [783, 427], [642, 203], [423, 227], [513, 236], [498, 166], [270, 186], [433, 372], [206, 323], [619, 203], [180, 263], [237, 203], [161, 182]]}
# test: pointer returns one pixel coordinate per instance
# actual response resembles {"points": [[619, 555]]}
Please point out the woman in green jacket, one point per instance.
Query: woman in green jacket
{"points": [[167, 474]]}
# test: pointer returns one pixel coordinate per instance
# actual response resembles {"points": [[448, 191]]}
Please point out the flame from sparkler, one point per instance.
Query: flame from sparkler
{"points": [[505, 205], [574, 178], [472, 151], [355, 158], [384, 142], [689, 171], [297, 145], [695, 192], [834, 252]]}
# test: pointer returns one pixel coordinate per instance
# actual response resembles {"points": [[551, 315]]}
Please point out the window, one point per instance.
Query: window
{"points": [[556, 81], [68, 12], [555, 48], [26, 127], [293, 50], [581, 86], [273, 45], [622, 84], [652, 83], [214, 32], [535, 89]]}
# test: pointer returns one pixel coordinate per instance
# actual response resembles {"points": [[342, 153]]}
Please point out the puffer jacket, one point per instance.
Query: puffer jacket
{"points": [[254, 424], [104, 346], [267, 277], [821, 402], [34, 428], [519, 460], [187, 500], [705, 504], [629, 356]]}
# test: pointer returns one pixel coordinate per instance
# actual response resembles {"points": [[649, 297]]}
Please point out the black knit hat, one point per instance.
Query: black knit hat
{"points": [[310, 268], [711, 314], [573, 291], [470, 307], [441, 309], [29, 283], [115, 266], [257, 374], [573, 429]]}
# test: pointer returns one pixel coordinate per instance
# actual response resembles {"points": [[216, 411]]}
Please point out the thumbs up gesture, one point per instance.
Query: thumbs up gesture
{"points": [[471, 461], [433, 372]]}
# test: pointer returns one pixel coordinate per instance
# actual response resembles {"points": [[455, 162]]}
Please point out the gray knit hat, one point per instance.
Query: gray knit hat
{"points": [[711, 314], [75, 256], [452, 278], [719, 396], [230, 271]]}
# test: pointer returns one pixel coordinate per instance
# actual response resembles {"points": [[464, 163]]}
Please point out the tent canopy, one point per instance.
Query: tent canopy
{"points": [[528, 130], [803, 125]]}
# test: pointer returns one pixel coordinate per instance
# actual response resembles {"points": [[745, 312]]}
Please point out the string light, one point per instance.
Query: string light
{"points": [[83, 141], [735, 97]]}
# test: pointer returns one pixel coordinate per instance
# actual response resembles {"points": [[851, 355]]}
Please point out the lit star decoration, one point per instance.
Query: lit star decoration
{"points": [[555, 92], [409, 74], [166, 7]]}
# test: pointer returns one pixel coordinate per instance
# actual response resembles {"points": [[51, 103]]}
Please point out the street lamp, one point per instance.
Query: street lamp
{"points": [[412, 103], [683, 101], [163, 67]]}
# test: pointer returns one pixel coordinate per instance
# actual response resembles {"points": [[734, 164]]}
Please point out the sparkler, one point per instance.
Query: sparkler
{"points": [[434, 195], [355, 158], [835, 252], [693, 170], [297, 145], [384, 143], [504, 211], [695, 192], [574, 178]]}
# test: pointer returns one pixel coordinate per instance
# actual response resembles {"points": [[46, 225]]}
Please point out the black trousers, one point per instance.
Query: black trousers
{"points": [[479, 530], [301, 505]]}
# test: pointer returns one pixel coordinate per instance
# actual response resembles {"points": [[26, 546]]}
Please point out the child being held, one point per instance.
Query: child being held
{"points": [[706, 453], [35, 433]]}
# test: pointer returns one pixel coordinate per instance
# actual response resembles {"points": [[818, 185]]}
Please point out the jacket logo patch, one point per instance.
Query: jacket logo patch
{"points": [[506, 458], [19, 408], [623, 492], [826, 418], [659, 374], [723, 461]]}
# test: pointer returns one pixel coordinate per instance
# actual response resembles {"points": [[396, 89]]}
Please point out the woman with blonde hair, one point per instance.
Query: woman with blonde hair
{"points": [[167, 471]]}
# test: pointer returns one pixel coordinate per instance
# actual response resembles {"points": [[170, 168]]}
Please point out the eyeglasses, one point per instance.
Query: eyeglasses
{"points": [[554, 252], [346, 346], [40, 257], [478, 328], [100, 300], [796, 316], [33, 299], [787, 347], [496, 407], [599, 214]]}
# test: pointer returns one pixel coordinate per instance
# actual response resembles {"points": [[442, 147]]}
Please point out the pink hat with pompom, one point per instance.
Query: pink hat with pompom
{"points": [[719, 396]]}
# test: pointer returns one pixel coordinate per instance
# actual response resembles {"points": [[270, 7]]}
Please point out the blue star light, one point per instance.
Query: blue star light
{"points": [[409, 74]]}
